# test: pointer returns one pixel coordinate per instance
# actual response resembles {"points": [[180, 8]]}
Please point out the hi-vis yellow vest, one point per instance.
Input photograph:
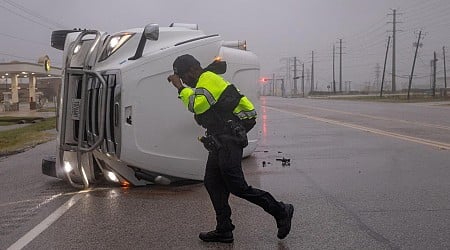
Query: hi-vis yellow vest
{"points": [[208, 91]]}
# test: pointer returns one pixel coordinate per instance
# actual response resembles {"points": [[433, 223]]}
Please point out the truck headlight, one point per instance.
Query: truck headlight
{"points": [[67, 167], [111, 176], [77, 48], [113, 43]]}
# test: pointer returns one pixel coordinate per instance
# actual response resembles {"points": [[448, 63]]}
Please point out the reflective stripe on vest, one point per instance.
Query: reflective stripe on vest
{"points": [[207, 94], [198, 92], [245, 109], [191, 103], [246, 114]]}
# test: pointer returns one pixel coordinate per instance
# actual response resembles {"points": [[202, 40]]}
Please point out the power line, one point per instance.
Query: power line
{"points": [[414, 5], [421, 7], [23, 39], [365, 45], [432, 16], [34, 14], [379, 41], [367, 30], [25, 17], [377, 37], [20, 57], [423, 20]]}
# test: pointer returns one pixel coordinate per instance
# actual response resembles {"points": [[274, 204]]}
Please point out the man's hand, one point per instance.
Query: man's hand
{"points": [[176, 81]]}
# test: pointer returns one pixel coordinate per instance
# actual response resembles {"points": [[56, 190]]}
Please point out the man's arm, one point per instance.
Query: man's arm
{"points": [[183, 92], [195, 103], [176, 82]]}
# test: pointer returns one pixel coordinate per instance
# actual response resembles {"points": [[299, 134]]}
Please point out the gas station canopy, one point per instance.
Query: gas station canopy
{"points": [[26, 69], [13, 71]]}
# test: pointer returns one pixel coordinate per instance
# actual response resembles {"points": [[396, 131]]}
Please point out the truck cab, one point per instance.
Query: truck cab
{"points": [[119, 118]]}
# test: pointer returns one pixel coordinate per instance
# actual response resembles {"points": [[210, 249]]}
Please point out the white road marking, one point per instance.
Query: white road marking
{"points": [[377, 117], [51, 197], [33, 233], [440, 145]]}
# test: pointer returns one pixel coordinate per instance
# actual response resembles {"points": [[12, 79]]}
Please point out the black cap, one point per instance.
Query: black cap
{"points": [[183, 63]]}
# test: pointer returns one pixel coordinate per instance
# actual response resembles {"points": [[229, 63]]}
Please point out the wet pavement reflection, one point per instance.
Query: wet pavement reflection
{"points": [[351, 190]]}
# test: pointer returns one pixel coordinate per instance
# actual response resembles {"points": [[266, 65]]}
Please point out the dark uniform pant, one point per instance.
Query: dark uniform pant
{"points": [[224, 175]]}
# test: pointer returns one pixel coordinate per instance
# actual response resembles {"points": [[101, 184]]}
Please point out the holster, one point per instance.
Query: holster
{"points": [[210, 142], [237, 131]]}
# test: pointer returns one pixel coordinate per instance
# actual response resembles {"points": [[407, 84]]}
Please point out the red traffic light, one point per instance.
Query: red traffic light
{"points": [[263, 79]]}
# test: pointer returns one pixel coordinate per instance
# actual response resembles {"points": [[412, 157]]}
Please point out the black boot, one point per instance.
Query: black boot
{"points": [[284, 224], [216, 236]]}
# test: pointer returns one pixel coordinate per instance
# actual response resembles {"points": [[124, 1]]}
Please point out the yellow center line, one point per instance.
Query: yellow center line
{"points": [[440, 145]]}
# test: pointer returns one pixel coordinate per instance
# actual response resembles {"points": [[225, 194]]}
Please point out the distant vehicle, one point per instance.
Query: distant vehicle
{"points": [[119, 118]]}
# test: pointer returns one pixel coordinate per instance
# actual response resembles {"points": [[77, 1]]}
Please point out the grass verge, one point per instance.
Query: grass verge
{"points": [[11, 120], [51, 109], [19, 139], [7, 123]]}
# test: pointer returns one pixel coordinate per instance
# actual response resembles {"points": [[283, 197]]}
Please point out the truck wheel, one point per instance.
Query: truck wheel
{"points": [[48, 166], [59, 38]]}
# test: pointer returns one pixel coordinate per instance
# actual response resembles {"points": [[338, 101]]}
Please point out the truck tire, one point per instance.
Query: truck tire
{"points": [[59, 38], [49, 166]]}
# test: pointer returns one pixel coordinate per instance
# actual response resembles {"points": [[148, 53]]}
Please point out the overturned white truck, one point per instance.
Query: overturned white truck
{"points": [[119, 118]]}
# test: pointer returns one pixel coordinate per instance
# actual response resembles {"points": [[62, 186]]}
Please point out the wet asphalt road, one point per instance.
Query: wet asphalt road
{"points": [[362, 176]]}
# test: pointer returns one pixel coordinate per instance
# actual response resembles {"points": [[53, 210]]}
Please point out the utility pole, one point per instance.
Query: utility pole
{"points": [[308, 77], [414, 63], [312, 71], [431, 74], [295, 75], [288, 71], [340, 65], [445, 73], [303, 79], [334, 81], [384, 67], [394, 24], [377, 75], [273, 84], [434, 74]]}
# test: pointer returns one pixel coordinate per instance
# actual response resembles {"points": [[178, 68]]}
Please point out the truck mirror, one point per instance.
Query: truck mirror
{"points": [[151, 31]]}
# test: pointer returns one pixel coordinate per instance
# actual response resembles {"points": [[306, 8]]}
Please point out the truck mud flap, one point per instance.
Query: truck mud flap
{"points": [[49, 166]]}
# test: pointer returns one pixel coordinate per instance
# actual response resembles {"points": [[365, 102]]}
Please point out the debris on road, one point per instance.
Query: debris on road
{"points": [[284, 161]]}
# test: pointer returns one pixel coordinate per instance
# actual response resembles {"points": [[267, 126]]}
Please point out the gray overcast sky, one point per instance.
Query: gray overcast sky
{"points": [[273, 29]]}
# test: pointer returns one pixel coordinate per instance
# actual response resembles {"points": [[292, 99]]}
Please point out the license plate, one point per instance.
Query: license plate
{"points": [[76, 109]]}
